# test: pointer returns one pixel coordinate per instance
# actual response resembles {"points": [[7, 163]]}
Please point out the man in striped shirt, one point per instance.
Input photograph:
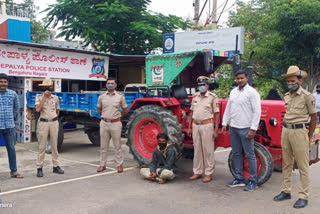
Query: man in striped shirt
{"points": [[9, 107]]}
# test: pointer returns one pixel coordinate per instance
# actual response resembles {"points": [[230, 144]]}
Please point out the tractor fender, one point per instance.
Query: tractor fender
{"points": [[158, 101]]}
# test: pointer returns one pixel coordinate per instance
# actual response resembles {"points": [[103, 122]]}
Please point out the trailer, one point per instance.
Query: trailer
{"points": [[81, 108]]}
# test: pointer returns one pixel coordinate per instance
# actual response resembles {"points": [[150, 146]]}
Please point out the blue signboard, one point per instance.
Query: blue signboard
{"points": [[168, 43]]}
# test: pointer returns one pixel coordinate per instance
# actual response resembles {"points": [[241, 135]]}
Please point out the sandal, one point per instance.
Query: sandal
{"points": [[16, 175]]}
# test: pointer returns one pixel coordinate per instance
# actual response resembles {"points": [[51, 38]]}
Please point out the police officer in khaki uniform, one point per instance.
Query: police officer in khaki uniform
{"points": [[204, 108], [296, 137], [109, 105], [48, 106]]}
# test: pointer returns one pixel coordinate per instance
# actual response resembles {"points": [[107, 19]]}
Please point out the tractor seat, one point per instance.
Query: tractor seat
{"points": [[179, 92]]}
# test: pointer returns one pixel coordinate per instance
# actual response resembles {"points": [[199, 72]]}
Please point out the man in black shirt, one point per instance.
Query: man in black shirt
{"points": [[163, 162]]}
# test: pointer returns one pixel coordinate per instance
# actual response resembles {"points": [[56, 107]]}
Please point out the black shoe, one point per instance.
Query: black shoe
{"points": [[300, 203], [282, 196], [58, 170], [39, 172]]}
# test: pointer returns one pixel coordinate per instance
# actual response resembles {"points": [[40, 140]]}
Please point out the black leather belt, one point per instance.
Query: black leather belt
{"points": [[294, 126], [48, 120]]}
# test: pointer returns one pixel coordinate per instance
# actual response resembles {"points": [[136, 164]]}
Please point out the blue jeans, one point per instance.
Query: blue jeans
{"points": [[10, 138], [240, 143]]}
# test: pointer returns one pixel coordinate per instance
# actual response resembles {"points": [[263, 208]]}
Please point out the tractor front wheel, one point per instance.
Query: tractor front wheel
{"points": [[264, 164], [143, 127]]}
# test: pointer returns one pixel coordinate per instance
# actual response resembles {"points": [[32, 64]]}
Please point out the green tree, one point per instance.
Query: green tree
{"points": [[282, 33], [39, 33], [120, 26]]}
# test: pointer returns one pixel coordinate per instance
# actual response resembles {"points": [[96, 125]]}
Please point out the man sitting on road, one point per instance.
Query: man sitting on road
{"points": [[163, 162]]}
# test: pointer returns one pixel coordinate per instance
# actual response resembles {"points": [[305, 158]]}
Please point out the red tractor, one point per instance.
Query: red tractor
{"points": [[166, 108]]}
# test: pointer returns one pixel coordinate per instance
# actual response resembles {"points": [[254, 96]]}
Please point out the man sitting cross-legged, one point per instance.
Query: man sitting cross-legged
{"points": [[163, 162]]}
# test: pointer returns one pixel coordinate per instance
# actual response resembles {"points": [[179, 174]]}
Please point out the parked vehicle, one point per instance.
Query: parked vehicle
{"points": [[81, 108], [166, 108]]}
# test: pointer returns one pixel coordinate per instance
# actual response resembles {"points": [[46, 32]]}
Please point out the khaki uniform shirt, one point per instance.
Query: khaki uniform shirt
{"points": [[204, 107], [49, 109], [299, 106], [111, 105]]}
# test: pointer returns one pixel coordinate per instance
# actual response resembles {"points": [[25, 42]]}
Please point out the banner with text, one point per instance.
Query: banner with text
{"points": [[26, 61], [223, 39]]}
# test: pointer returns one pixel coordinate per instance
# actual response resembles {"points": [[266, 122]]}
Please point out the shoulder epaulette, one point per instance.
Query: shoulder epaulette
{"points": [[305, 92], [212, 94]]}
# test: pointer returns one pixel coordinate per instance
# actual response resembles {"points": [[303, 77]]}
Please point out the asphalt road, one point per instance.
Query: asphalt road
{"points": [[82, 190]]}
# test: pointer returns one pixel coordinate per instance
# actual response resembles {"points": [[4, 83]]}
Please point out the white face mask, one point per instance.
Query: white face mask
{"points": [[110, 87], [202, 89], [293, 87]]}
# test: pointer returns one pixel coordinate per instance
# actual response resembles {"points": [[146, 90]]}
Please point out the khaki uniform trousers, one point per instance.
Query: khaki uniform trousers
{"points": [[165, 174], [46, 129], [203, 143], [295, 146], [110, 131]]}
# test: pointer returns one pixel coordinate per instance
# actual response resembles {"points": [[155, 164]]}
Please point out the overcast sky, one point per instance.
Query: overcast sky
{"points": [[182, 8]]}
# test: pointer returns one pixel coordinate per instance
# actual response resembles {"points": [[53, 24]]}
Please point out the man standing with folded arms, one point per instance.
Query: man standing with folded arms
{"points": [[9, 107], [109, 105], [205, 112], [48, 106], [242, 114], [295, 137]]}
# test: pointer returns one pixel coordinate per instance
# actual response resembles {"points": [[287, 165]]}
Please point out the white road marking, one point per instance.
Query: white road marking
{"points": [[62, 182], [74, 161]]}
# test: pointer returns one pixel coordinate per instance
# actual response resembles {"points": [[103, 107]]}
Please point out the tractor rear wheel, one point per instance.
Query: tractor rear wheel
{"points": [[143, 127], [264, 164]]}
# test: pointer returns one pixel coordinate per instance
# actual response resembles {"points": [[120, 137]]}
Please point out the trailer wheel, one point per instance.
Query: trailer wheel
{"points": [[264, 164], [143, 127], [60, 136], [94, 136]]}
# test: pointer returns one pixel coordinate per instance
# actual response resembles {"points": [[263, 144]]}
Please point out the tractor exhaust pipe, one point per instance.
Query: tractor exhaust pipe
{"points": [[236, 58], [250, 69]]}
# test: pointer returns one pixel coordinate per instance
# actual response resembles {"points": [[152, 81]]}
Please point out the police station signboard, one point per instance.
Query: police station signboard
{"points": [[27, 61], [221, 39]]}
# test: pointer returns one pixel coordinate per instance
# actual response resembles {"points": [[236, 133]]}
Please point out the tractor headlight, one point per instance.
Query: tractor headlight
{"points": [[273, 121]]}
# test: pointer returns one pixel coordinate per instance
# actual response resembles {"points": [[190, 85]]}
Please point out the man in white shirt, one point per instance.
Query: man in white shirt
{"points": [[317, 97], [242, 114]]}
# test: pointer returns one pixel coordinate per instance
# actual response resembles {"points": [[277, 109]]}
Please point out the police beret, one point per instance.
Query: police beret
{"points": [[202, 79], [295, 71]]}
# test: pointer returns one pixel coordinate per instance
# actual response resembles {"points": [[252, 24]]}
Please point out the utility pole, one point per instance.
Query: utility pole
{"points": [[214, 14], [196, 5]]}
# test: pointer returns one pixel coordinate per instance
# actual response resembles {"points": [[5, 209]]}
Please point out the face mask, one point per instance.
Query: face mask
{"points": [[162, 145], [202, 89], [293, 87], [110, 87], [318, 91]]}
